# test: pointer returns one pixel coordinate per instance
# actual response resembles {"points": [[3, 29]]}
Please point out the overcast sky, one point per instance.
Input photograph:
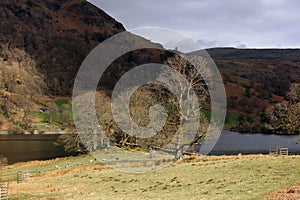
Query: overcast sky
{"points": [[215, 23]]}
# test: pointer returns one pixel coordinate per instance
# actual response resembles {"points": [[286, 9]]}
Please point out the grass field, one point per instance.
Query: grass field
{"points": [[230, 121], [55, 115], [222, 177]]}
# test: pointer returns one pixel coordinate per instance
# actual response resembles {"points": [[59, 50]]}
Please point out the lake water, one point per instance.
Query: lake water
{"points": [[231, 143], [19, 148]]}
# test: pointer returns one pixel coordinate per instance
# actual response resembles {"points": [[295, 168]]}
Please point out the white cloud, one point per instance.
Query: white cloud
{"points": [[256, 23]]}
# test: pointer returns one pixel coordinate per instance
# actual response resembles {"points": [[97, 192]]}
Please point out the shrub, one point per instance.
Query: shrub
{"points": [[3, 160]]}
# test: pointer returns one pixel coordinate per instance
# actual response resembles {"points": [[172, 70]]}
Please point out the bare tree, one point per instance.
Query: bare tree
{"points": [[189, 107], [139, 116]]}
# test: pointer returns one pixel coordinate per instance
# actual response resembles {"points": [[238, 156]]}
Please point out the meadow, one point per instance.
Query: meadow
{"points": [[212, 177]]}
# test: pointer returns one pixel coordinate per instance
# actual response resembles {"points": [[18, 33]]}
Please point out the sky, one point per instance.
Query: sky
{"points": [[214, 23]]}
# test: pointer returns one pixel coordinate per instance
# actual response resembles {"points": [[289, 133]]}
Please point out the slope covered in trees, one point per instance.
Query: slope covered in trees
{"points": [[57, 34], [43, 43]]}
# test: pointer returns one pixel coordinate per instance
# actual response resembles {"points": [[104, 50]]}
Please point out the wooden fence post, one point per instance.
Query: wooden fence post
{"points": [[273, 152], [284, 151], [23, 175], [19, 177], [4, 190]]}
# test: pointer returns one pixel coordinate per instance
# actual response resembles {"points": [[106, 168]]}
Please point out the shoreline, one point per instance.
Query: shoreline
{"points": [[53, 132], [57, 132], [262, 133], [186, 158]]}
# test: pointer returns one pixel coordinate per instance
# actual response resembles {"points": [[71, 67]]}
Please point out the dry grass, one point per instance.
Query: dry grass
{"points": [[221, 177], [219, 158], [292, 193]]}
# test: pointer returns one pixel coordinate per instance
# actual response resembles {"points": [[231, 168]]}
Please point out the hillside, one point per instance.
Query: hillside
{"points": [[56, 34], [221, 177], [43, 43], [257, 54], [256, 78]]}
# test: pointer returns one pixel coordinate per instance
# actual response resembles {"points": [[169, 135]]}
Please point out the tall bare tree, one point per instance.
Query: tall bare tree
{"points": [[188, 107]]}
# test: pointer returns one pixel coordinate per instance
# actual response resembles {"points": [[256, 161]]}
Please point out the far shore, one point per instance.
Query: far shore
{"points": [[53, 132], [50, 132]]}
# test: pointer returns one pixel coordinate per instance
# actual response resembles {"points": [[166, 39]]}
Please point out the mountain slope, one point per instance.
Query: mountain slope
{"points": [[57, 34], [256, 78], [42, 45]]}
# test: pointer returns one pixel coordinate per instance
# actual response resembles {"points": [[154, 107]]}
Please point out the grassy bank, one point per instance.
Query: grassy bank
{"points": [[228, 177], [230, 120]]}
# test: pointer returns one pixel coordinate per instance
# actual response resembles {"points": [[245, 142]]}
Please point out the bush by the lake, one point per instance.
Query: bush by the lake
{"points": [[3, 160]]}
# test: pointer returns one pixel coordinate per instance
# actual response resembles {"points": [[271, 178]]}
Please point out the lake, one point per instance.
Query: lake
{"points": [[232, 143], [18, 148]]}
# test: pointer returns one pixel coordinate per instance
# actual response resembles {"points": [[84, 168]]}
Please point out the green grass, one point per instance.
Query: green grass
{"points": [[207, 113], [44, 116], [245, 178], [230, 121], [61, 102], [10, 173]]}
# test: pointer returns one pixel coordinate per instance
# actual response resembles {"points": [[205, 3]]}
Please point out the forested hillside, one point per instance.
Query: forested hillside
{"points": [[43, 43]]}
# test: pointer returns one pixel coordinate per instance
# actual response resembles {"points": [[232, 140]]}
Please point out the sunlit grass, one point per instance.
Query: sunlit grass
{"points": [[235, 177]]}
